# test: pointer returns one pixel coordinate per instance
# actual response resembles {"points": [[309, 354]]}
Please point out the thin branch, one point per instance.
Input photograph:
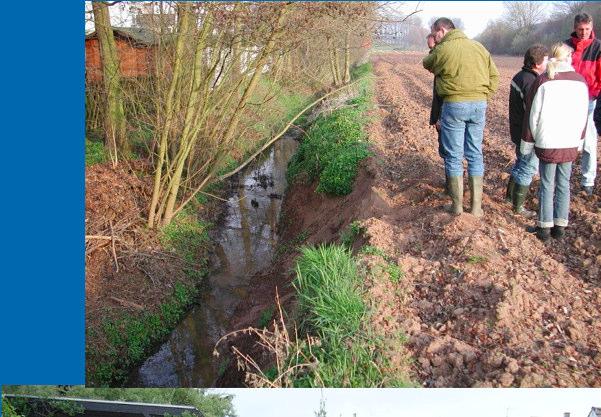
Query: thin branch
{"points": [[276, 137]]}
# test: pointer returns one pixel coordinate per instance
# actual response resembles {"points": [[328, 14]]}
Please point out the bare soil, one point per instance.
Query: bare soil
{"points": [[483, 302], [487, 303], [128, 271]]}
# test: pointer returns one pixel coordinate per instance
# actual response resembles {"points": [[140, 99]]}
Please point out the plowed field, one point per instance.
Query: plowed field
{"points": [[485, 303]]}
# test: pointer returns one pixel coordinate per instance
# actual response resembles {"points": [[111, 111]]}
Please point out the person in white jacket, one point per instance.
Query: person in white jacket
{"points": [[554, 126]]}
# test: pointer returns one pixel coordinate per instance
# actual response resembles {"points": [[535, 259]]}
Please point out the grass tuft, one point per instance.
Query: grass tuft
{"points": [[334, 145], [95, 153], [351, 233]]}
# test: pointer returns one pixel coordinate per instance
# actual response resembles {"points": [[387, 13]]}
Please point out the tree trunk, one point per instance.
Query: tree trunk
{"points": [[184, 24], [332, 61], [193, 110], [237, 113], [347, 59], [336, 61], [114, 123]]}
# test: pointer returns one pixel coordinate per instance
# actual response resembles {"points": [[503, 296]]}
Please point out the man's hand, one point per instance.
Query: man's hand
{"points": [[431, 42]]}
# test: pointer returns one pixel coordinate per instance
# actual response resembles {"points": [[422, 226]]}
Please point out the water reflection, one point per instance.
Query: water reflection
{"points": [[244, 245]]}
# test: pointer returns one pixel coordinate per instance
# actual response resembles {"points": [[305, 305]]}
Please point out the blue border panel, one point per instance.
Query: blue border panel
{"points": [[42, 205]]}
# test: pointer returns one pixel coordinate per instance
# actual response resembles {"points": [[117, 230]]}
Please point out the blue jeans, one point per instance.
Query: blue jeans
{"points": [[524, 168], [554, 194], [589, 151], [462, 131]]}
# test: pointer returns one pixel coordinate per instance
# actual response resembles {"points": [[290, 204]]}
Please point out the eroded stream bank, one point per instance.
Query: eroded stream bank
{"points": [[244, 243]]}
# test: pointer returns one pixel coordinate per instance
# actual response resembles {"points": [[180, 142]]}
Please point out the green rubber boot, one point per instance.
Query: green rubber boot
{"points": [[520, 192], [476, 195], [509, 192], [455, 185]]}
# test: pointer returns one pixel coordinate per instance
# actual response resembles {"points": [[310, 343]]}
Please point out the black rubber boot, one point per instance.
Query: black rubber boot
{"points": [[520, 192], [558, 232], [543, 233], [509, 192]]}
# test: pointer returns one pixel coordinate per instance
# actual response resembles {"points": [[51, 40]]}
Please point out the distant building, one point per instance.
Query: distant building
{"points": [[135, 47], [595, 412], [101, 408]]}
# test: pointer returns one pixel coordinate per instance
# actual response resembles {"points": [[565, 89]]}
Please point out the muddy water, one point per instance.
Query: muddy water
{"points": [[244, 245]]}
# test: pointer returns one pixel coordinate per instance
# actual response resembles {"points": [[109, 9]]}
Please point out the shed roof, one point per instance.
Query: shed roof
{"points": [[103, 408], [140, 36]]}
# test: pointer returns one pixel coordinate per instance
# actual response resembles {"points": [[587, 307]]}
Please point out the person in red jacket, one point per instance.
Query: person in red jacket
{"points": [[586, 60]]}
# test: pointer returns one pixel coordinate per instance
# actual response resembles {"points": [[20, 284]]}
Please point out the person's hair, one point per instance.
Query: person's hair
{"points": [[560, 52], [535, 55], [443, 22], [582, 18], [429, 36]]}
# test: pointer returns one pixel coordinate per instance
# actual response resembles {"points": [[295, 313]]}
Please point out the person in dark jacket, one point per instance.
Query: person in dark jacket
{"points": [[586, 60], [535, 62], [435, 108], [555, 125]]}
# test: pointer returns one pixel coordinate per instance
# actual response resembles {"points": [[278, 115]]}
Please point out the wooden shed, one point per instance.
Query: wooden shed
{"points": [[135, 47], [102, 408]]}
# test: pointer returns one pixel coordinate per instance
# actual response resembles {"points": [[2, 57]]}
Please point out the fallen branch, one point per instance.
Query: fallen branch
{"points": [[113, 247], [276, 137], [101, 237], [126, 303]]}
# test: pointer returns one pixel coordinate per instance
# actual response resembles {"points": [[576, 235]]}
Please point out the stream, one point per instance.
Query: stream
{"points": [[244, 245]]}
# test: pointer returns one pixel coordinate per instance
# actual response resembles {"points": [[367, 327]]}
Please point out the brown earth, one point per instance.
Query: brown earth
{"points": [[134, 273], [490, 305], [483, 302]]}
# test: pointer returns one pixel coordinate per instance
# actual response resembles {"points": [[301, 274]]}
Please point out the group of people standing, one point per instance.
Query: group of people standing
{"points": [[552, 118]]}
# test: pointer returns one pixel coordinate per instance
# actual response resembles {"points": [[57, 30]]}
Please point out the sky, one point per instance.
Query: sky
{"points": [[475, 14], [422, 402]]}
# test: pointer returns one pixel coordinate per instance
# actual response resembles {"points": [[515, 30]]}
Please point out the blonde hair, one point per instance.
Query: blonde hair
{"points": [[560, 54]]}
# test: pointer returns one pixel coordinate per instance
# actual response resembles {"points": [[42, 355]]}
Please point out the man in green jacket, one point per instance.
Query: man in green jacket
{"points": [[466, 77]]}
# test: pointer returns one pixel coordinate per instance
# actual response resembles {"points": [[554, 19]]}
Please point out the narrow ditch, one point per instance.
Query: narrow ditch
{"points": [[244, 242]]}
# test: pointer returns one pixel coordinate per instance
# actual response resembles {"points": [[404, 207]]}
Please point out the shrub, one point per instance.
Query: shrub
{"points": [[95, 153]]}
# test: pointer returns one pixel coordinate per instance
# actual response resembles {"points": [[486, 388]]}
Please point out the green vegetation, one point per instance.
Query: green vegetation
{"points": [[476, 259], [8, 410], [265, 318], [336, 143], [328, 284], [130, 337], [372, 250], [187, 236], [362, 70], [390, 268], [330, 292], [211, 405], [95, 153], [293, 245], [351, 233]]}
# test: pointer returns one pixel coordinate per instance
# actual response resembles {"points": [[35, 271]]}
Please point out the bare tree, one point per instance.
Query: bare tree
{"points": [[114, 121], [523, 14], [568, 8]]}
